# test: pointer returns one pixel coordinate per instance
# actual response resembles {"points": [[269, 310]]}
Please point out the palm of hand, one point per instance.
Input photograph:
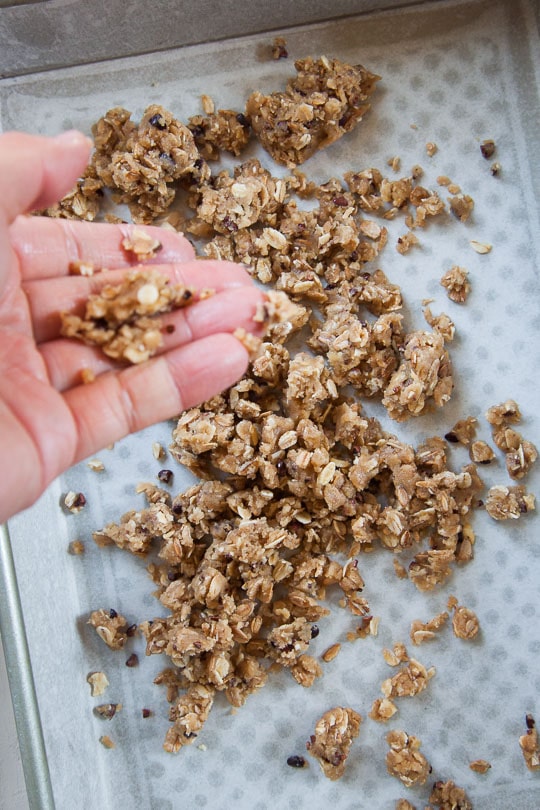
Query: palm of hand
{"points": [[48, 419]]}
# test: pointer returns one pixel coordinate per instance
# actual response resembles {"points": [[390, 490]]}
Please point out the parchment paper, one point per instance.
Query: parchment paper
{"points": [[459, 72]]}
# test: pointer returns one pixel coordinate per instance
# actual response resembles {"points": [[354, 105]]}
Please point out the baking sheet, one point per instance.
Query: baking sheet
{"points": [[458, 72]]}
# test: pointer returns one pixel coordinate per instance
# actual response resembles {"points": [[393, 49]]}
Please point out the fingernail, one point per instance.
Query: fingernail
{"points": [[72, 137]]}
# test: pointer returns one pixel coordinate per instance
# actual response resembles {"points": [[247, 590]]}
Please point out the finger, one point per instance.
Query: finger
{"points": [[46, 247], [48, 298], [223, 313], [117, 404], [36, 171]]}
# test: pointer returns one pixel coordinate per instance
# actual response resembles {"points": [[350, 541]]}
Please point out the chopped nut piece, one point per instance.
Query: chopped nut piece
{"points": [[503, 502], [75, 502], [87, 376], [158, 451], [331, 653], [382, 710], [463, 431], [396, 656], [207, 104], [142, 245], [406, 242], [404, 759], [465, 622], [461, 206], [81, 268], [110, 626], [147, 713], [481, 453], [279, 48], [480, 247], [530, 745], [76, 547], [106, 741], [96, 465], [133, 660], [330, 744], [456, 283], [480, 766], [431, 148], [425, 631], [98, 683], [107, 710], [520, 456], [495, 169]]}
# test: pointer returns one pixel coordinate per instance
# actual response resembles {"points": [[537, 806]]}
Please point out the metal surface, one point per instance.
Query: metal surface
{"points": [[21, 682], [58, 33]]}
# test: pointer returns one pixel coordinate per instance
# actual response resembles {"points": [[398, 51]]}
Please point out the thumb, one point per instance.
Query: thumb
{"points": [[36, 171]]}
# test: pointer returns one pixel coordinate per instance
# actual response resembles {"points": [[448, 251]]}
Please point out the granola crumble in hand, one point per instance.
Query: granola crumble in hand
{"points": [[199, 356]]}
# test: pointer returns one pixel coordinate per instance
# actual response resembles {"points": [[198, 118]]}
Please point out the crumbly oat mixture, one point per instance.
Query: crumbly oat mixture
{"points": [[292, 469], [463, 432], [456, 283], [481, 453], [409, 681], [325, 100], [448, 796], [331, 742], [503, 502], [220, 131], [465, 623], [404, 759], [520, 454], [382, 710], [121, 319], [426, 631]]}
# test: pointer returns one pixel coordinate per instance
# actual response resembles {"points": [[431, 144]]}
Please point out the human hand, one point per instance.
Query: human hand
{"points": [[48, 419]]}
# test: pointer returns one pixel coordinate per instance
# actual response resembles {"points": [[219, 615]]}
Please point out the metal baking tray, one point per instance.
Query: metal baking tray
{"points": [[453, 73]]}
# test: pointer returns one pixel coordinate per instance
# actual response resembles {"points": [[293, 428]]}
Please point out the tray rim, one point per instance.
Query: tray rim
{"points": [[21, 683], [12, 627]]}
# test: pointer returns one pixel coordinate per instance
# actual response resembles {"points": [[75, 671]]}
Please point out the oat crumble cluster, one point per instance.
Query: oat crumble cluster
{"points": [[404, 759], [530, 744], [331, 742], [110, 626], [293, 471], [121, 319]]}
